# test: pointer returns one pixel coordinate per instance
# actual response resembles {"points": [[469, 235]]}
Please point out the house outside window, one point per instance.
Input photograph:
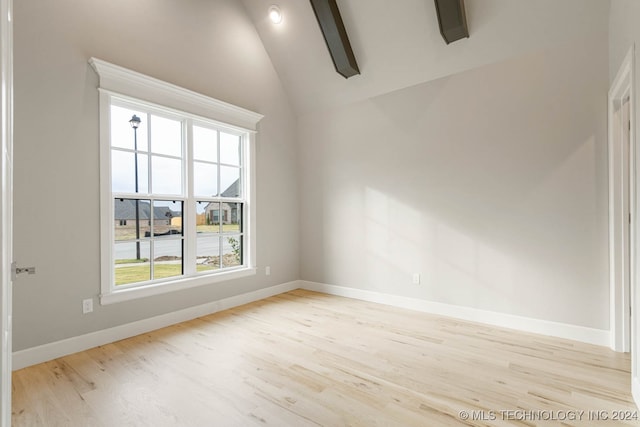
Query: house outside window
{"points": [[176, 189]]}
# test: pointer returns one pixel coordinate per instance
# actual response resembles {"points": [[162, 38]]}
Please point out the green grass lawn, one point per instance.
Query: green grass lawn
{"points": [[131, 261], [141, 273], [216, 228]]}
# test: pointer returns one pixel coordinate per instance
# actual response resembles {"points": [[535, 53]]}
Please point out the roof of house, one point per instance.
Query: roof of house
{"points": [[126, 209], [233, 190]]}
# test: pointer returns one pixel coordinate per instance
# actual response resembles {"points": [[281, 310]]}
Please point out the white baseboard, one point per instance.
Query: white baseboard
{"points": [[635, 391], [50, 351], [42, 353], [537, 326]]}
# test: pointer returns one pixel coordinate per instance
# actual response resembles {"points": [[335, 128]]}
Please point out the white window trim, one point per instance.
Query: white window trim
{"points": [[139, 86], [124, 83]]}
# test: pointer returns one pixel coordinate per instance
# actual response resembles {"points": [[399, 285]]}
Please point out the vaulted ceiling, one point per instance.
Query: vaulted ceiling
{"points": [[398, 44]]}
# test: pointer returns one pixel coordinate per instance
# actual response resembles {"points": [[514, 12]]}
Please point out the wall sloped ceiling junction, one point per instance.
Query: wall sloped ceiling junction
{"points": [[398, 44]]}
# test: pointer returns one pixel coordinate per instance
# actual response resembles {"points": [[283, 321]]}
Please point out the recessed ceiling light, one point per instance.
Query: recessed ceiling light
{"points": [[275, 14]]}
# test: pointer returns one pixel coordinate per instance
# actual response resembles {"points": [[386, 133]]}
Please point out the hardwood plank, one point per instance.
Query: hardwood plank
{"points": [[309, 359]]}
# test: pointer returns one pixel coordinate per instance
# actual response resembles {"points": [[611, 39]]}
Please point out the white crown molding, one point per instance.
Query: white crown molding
{"points": [[127, 82], [510, 321]]}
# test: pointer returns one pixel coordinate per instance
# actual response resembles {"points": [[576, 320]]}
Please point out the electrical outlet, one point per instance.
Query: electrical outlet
{"points": [[267, 271], [87, 306], [416, 278]]}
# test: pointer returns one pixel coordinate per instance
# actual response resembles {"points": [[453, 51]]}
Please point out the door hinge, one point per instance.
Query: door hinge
{"points": [[15, 270]]}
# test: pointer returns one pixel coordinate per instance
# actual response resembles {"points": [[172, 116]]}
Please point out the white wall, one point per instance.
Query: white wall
{"points": [[209, 46], [490, 183]]}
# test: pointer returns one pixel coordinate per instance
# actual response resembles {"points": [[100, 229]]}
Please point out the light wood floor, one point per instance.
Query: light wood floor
{"points": [[307, 359]]}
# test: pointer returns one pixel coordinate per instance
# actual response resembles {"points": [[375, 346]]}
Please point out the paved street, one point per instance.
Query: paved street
{"points": [[167, 247]]}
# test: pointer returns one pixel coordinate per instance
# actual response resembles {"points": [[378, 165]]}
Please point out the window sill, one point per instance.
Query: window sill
{"points": [[127, 294]]}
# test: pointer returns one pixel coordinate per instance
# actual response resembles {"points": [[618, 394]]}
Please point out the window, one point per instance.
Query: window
{"points": [[177, 200]]}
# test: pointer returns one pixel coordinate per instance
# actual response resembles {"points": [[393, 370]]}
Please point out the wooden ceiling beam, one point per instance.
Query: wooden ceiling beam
{"points": [[452, 20], [335, 35]]}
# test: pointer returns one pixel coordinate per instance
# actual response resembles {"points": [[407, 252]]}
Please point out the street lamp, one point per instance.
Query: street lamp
{"points": [[135, 122]]}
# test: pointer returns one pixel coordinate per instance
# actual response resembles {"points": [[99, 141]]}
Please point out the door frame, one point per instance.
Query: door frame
{"points": [[6, 205], [622, 202]]}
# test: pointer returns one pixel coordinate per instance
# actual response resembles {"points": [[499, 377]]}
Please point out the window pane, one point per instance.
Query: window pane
{"points": [[123, 178], [167, 261], [232, 251], [143, 173], [125, 219], [122, 134], [167, 218], [205, 179], [229, 149], [166, 136], [205, 144], [208, 232], [207, 252], [122, 172], [230, 181], [132, 262], [208, 217], [166, 175], [232, 217]]}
